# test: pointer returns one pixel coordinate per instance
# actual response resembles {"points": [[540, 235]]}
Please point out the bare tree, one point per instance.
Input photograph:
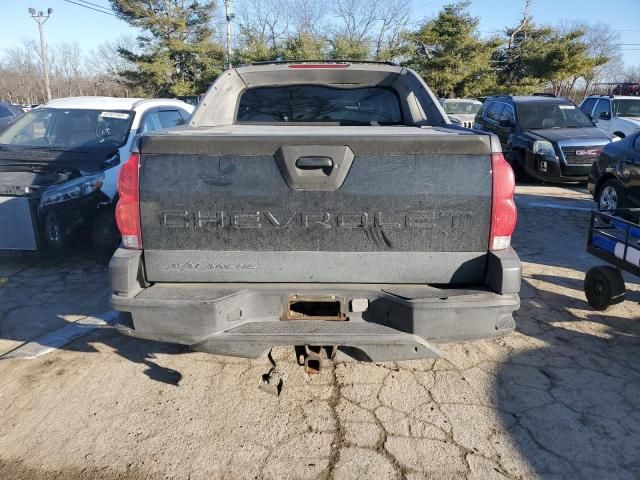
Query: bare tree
{"points": [[355, 18], [67, 68], [603, 42], [72, 73], [632, 74], [393, 19], [526, 18], [309, 16], [266, 20]]}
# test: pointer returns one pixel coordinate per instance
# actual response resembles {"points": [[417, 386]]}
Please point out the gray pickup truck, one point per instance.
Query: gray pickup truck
{"points": [[317, 204]]}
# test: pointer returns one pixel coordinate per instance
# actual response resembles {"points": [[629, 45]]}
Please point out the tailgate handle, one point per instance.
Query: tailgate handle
{"points": [[314, 162]]}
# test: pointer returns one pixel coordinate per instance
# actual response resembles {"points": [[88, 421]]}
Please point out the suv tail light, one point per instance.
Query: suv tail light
{"points": [[503, 207], [128, 207]]}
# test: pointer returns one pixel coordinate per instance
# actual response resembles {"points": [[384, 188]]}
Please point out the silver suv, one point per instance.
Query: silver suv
{"points": [[615, 114]]}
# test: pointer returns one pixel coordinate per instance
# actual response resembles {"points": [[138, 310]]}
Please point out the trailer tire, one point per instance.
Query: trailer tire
{"points": [[604, 286]]}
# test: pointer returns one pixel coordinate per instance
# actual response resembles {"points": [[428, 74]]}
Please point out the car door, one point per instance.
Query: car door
{"points": [[170, 117], [602, 114], [6, 117], [506, 123], [492, 117], [480, 121], [631, 169], [149, 122], [587, 106]]}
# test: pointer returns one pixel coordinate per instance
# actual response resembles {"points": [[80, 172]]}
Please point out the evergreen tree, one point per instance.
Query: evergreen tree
{"points": [[175, 54], [450, 55]]}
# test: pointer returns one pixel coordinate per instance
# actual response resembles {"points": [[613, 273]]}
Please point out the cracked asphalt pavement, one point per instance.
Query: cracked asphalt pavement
{"points": [[557, 399]]}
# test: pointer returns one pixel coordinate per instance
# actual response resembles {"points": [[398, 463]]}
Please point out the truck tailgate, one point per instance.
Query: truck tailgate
{"points": [[316, 204]]}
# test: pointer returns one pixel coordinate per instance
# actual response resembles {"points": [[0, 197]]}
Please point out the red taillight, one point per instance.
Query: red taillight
{"points": [[128, 207], [319, 65], [503, 207]]}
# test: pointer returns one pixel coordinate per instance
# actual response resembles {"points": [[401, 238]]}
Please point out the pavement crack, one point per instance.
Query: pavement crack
{"points": [[340, 434]]}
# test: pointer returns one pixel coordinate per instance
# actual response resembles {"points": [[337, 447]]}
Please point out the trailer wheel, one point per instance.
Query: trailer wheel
{"points": [[604, 286]]}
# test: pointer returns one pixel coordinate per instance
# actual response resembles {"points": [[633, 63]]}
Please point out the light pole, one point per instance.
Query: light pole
{"points": [[230, 16], [41, 18]]}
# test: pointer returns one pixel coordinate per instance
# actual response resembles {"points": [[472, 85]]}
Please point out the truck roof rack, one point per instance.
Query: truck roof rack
{"points": [[336, 60], [543, 94]]}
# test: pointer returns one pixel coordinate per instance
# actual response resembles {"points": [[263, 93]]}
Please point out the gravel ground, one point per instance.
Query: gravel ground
{"points": [[557, 399]]}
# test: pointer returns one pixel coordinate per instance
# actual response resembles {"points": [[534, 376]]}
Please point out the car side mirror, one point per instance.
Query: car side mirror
{"points": [[605, 116], [505, 123]]}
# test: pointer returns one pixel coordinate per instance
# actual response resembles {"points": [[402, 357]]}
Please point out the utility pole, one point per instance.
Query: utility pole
{"points": [[230, 16], [41, 18]]}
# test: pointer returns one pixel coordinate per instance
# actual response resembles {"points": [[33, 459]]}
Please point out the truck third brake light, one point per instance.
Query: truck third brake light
{"points": [[319, 65]]}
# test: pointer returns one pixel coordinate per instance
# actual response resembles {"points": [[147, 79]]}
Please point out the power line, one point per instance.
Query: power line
{"points": [[91, 8], [103, 7]]}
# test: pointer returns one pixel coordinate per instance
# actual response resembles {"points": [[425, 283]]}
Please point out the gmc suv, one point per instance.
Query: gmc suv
{"points": [[544, 137]]}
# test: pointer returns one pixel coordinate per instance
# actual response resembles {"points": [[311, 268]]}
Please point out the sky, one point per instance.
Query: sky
{"points": [[72, 23]]}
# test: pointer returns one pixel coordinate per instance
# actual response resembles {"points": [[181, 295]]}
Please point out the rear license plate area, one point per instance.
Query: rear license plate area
{"points": [[315, 307]]}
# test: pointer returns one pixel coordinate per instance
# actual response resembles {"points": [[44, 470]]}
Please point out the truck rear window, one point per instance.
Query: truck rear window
{"points": [[315, 103]]}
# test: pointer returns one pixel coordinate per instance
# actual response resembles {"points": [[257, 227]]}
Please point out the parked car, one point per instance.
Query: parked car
{"points": [[614, 180], [544, 137], [627, 88], [8, 115], [316, 204], [617, 114], [59, 165], [461, 109]]}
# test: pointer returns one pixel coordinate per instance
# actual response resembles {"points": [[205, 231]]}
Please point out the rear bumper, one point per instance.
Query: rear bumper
{"points": [[399, 323]]}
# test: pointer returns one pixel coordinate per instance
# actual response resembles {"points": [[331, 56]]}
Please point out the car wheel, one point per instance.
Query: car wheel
{"points": [[516, 160], [611, 195], [105, 237], [603, 287]]}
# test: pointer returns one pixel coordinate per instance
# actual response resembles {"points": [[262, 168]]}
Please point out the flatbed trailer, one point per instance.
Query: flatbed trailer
{"points": [[614, 236]]}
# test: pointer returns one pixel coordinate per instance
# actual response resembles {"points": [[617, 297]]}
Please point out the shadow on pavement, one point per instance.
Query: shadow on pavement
{"points": [[572, 402], [39, 295], [135, 350]]}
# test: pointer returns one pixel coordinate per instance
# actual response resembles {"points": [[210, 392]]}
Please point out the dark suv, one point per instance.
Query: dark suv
{"points": [[544, 137]]}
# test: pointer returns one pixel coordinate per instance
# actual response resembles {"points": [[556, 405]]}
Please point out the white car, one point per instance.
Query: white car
{"points": [[59, 167], [615, 114], [461, 109]]}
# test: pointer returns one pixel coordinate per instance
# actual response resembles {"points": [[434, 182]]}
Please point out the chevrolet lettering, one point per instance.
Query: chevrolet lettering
{"points": [[186, 219]]}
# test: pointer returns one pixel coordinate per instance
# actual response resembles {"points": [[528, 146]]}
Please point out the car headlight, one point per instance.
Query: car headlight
{"points": [[542, 147], [74, 189]]}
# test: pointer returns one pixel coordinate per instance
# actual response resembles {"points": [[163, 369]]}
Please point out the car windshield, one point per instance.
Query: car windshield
{"points": [[627, 107], [551, 115], [462, 108], [314, 103], [69, 129]]}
